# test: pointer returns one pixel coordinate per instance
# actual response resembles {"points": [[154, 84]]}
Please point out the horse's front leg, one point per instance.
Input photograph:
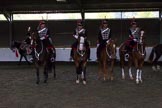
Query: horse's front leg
{"points": [[37, 75], [26, 59], [45, 73], [105, 70], [111, 69], [20, 60], [77, 71], [122, 61], [100, 69], [137, 70], [54, 69], [130, 68], [84, 73]]}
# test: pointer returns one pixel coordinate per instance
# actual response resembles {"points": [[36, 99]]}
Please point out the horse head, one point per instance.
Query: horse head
{"points": [[111, 49], [81, 46], [141, 44]]}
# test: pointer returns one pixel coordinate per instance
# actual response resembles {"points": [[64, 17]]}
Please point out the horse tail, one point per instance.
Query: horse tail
{"points": [[151, 55]]}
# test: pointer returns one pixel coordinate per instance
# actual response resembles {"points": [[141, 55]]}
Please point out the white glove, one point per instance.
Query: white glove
{"points": [[142, 32], [29, 28], [135, 40], [98, 45], [42, 38], [75, 36], [107, 41]]}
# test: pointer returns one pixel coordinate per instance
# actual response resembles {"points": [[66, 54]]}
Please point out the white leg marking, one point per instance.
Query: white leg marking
{"points": [[130, 74], [84, 82], [82, 75], [123, 74], [140, 76], [137, 76], [153, 68], [77, 81], [158, 67]]}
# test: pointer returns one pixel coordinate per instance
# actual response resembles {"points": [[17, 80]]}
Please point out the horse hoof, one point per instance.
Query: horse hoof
{"points": [[123, 78], [77, 81], [112, 78], [131, 78], [84, 82], [137, 82], [141, 81]]}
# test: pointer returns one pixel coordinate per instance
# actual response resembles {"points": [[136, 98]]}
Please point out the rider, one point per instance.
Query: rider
{"points": [[103, 37], [80, 31], [44, 35], [134, 34]]}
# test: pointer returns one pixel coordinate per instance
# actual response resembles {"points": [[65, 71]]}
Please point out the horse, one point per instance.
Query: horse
{"points": [[107, 54], [43, 56], [80, 58], [137, 57], [157, 50], [20, 46]]}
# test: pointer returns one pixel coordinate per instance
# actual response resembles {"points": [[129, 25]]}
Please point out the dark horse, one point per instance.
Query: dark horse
{"points": [[107, 54], [16, 45], [80, 57], [137, 57], [43, 57], [157, 50]]}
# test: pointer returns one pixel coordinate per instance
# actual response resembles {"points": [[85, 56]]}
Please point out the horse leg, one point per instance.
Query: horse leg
{"points": [[45, 73], [129, 68], [105, 70], [77, 72], [154, 68], [37, 74], [26, 59], [122, 61], [54, 70], [100, 69], [111, 70], [84, 73], [20, 60], [137, 71]]}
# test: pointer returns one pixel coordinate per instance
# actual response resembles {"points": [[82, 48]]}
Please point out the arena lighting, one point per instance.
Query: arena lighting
{"points": [[61, 0]]}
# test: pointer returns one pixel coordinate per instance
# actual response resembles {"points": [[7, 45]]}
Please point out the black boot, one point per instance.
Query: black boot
{"points": [[71, 55], [88, 52]]}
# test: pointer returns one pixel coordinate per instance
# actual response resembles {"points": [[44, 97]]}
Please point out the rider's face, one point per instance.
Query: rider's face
{"points": [[105, 25], [80, 26], [42, 26], [134, 25]]}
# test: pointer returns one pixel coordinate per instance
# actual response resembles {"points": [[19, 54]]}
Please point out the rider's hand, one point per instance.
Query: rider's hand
{"points": [[75, 36], [135, 40]]}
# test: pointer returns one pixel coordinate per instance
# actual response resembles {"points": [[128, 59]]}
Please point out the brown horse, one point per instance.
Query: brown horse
{"points": [[137, 57], [157, 52], [43, 57], [80, 57], [107, 54]]}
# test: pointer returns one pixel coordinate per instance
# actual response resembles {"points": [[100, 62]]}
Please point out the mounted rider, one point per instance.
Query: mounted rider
{"points": [[44, 35], [78, 32], [134, 33], [104, 36]]}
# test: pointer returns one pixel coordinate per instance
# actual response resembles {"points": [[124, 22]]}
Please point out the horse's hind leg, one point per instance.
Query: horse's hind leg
{"points": [[105, 71], [26, 59], [45, 74], [37, 74], [122, 61], [154, 68], [111, 70], [54, 70], [20, 60], [129, 68]]}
